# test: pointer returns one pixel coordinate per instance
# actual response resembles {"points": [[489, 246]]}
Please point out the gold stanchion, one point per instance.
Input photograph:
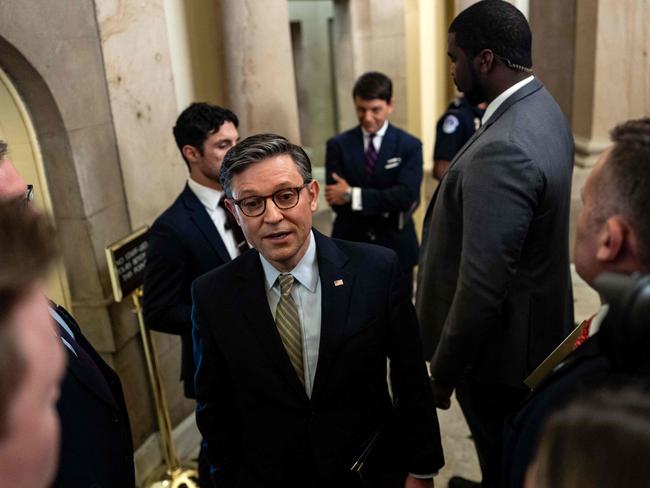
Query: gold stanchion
{"points": [[126, 260], [172, 474]]}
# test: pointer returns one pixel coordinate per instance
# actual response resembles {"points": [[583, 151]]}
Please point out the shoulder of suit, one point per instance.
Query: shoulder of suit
{"points": [[347, 134], [361, 252], [403, 135], [224, 275], [173, 216]]}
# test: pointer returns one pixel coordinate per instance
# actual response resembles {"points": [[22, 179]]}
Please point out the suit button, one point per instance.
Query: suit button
{"points": [[115, 419]]}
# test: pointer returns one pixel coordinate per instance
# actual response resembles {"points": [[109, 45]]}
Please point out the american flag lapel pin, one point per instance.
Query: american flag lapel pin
{"points": [[338, 282]]}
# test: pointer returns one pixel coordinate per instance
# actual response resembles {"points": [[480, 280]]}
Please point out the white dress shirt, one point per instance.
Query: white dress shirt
{"points": [[306, 292], [210, 199], [55, 315], [496, 103], [357, 204]]}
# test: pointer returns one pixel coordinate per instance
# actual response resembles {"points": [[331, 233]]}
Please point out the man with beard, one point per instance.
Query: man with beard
{"points": [[494, 294]]}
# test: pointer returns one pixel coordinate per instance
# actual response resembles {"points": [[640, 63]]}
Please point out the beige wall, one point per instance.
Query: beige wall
{"points": [[314, 75], [59, 74], [259, 79], [612, 70], [196, 50], [553, 26], [370, 36], [143, 103], [140, 81]]}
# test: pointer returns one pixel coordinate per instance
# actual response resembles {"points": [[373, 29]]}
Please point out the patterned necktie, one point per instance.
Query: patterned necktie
{"points": [[232, 225], [287, 321], [371, 154]]}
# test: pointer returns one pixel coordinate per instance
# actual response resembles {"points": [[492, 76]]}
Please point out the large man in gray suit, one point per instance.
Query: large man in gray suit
{"points": [[494, 293]]}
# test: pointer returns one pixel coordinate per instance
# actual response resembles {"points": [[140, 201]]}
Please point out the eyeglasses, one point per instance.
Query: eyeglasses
{"points": [[284, 199], [29, 194]]}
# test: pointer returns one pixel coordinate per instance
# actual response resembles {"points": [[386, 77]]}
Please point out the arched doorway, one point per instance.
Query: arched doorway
{"points": [[17, 129]]}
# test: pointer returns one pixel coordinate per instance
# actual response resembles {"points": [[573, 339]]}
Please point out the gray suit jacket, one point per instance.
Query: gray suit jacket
{"points": [[494, 287]]}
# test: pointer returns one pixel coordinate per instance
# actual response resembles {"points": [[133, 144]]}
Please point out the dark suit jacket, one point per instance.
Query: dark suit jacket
{"points": [[262, 429], [388, 193], [584, 369], [183, 244], [96, 444], [494, 289]]}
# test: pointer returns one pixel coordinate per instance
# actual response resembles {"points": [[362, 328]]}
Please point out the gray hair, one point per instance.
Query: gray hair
{"points": [[624, 187], [257, 148]]}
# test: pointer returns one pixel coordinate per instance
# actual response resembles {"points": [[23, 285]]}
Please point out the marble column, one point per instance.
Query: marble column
{"points": [[612, 71], [259, 75]]}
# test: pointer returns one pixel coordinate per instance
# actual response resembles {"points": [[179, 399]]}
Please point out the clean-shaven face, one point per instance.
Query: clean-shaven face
{"points": [[372, 113], [281, 236]]}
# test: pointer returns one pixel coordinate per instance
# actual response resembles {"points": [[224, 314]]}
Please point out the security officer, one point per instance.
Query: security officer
{"points": [[454, 128]]}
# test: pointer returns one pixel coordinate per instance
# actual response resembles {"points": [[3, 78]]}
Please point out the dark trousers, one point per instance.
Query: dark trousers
{"points": [[485, 408], [205, 477]]}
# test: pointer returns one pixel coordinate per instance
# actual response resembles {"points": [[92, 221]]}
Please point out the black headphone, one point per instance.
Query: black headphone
{"points": [[625, 331]]}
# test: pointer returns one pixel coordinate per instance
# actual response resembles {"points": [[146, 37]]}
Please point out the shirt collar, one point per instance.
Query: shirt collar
{"points": [[305, 272], [379, 133], [496, 103], [209, 197]]}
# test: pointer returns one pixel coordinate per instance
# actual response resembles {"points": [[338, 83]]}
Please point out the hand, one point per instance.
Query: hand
{"points": [[412, 482], [335, 193], [441, 394]]}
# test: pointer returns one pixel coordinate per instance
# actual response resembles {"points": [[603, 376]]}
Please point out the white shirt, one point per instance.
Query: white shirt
{"points": [[306, 292], [496, 103], [55, 315], [597, 321], [210, 199], [357, 204]]}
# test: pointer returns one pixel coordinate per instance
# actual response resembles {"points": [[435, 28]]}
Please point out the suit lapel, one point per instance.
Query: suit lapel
{"points": [[336, 290], [78, 367], [358, 159], [200, 217], [387, 148], [252, 291]]}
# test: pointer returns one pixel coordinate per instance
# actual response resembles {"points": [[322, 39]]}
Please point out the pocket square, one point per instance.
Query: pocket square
{"points": [[393, 163]]}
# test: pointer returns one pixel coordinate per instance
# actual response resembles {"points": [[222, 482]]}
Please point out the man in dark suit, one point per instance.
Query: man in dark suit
{"points": [[193, 236], [32, 361], [494, 291], [374, 172], [612, 235], [291, 343], [96, 445]]}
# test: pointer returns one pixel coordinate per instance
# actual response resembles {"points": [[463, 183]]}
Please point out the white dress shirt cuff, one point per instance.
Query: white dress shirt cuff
{"points": [[357, 204]]}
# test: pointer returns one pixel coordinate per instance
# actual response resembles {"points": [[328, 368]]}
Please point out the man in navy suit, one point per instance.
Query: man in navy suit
{"points": [[193, 236], [374, 172], [32, 361], [291, 343], [96, 445]]}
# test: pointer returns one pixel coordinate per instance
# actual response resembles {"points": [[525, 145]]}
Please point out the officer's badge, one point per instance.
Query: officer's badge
{"points": [[450, 124]]}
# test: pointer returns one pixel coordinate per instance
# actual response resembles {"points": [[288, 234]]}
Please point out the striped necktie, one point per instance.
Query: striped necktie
{"points": [[287, 321], [371, 154]]}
